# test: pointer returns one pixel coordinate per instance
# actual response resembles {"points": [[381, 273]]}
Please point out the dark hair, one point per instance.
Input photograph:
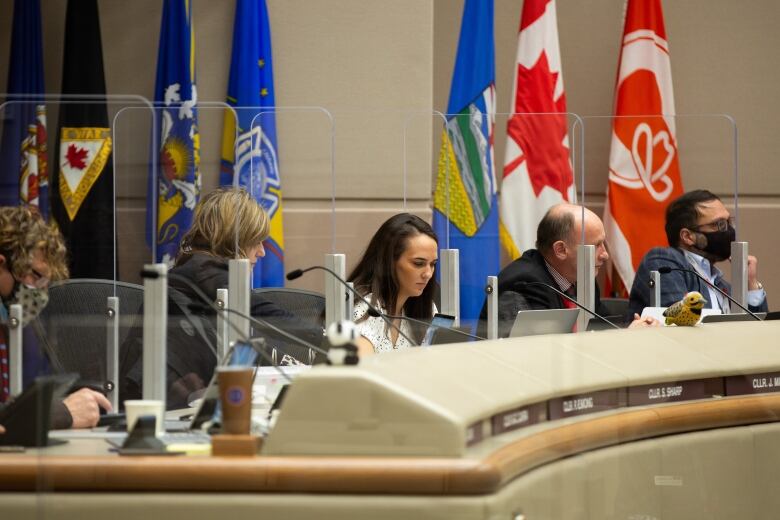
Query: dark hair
{"points": [[375, 272], [555, 225], [683, 212]]}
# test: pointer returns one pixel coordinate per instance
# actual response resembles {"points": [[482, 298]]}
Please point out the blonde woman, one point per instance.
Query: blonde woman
{"points": [[228, 223]]}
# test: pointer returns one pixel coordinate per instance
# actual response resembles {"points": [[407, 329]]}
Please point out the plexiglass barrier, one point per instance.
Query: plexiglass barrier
{"points": [[489, 230], [552, 376], [650, 161], [278, 147]]}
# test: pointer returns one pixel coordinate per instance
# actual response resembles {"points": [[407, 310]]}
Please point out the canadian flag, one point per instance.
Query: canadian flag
{"points": [[537, 169], [644, 172]]}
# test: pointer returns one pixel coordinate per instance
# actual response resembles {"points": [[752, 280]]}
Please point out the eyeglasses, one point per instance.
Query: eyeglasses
{"points": [[721, 224]]}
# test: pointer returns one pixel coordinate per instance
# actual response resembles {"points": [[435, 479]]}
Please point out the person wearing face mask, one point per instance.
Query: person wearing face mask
{"points": [[700, 231], [31, 255], [395, 275]]}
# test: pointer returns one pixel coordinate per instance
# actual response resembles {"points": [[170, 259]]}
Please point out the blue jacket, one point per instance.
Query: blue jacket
{"points": [[674, 285]]}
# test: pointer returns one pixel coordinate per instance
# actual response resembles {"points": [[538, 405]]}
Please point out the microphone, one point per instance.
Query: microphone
{"points": [[372, 311], [666, 270], [575, 302], [422, 322]]}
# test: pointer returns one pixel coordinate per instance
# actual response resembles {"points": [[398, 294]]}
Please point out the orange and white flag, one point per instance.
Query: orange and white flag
{"points": [[537, 170], [644, 171]]}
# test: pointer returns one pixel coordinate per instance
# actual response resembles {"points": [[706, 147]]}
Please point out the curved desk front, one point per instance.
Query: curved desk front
{"points": [[665, 423]]}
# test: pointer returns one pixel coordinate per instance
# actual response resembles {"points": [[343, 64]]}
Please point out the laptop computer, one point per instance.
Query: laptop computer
{"points": [[545, 321], [207, 409], [720, 318], [438, 323]]}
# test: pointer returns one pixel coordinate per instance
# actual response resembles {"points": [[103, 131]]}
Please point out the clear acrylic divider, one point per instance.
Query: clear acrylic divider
{"points": [[284, 157], [160, 169], [67, 155], [465, 193], [638, 165]]}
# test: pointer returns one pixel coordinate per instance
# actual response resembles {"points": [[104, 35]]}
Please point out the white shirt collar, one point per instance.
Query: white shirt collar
{"points": [[708, 270]]}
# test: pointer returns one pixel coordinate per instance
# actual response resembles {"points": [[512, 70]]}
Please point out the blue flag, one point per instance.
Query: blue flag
{"points": [[465, 212], [249, 152], [177, 153], [23, 164]]}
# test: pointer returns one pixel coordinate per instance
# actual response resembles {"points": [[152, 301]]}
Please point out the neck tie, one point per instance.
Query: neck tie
{"points": [[571, 292]]}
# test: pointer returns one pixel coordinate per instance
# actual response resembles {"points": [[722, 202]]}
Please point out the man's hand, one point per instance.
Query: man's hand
{"points": [[752, 273], [2, 430], [84, 406], [640, 322]]}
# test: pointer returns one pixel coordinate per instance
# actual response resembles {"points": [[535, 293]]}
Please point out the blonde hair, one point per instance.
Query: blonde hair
{"points": [[22, 232], [227, 223]]}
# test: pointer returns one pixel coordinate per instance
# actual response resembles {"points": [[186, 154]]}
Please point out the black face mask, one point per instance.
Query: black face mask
{"points": [[718, 243]]}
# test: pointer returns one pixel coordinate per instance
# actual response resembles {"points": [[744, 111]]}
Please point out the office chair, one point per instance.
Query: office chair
{"points": [[72, 330], [308, 310]]}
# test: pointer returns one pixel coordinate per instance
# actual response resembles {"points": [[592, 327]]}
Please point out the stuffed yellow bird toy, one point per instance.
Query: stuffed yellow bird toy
{"points": [[686, 312]]}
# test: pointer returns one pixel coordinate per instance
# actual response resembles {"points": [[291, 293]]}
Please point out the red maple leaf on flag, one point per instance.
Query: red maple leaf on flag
{"points": [[76, 157], [540, 137]]}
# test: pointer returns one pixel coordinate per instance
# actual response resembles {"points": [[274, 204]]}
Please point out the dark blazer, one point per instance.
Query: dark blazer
{"points": [[674, 285], [513, 297]]}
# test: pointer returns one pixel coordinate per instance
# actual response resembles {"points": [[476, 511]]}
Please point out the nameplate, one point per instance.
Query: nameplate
{"points": [[674, 391], [582, 404], [518, 418], [474, 434], [753, 384]]}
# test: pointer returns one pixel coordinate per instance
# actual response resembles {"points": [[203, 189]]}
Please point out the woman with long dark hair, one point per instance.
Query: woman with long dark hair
{"points": [[394, 274]]}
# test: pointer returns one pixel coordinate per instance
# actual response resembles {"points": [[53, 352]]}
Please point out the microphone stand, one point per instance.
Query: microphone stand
{"points": [[372, 311], [666, 270], [575, 302]]}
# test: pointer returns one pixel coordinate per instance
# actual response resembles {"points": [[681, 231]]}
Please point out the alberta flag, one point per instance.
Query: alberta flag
{"points": [[465, 211], [23, 164], [177, 150], [249, 157]]}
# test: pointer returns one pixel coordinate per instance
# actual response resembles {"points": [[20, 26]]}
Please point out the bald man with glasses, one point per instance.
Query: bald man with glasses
{"points": [[700, 231]]}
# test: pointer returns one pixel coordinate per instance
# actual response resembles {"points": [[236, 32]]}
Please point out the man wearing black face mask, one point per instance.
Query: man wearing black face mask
{"points": [[31, 254], [700, 232]]}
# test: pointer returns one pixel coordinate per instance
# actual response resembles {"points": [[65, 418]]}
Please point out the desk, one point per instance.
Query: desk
{"points": [[670, 461], [68, 476]]}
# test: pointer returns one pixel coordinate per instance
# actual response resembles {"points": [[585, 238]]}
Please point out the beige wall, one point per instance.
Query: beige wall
{"points": [[379, 68]]}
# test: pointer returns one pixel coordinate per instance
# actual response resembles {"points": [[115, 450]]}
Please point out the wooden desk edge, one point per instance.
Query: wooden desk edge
{"points": [[377, 475]]}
